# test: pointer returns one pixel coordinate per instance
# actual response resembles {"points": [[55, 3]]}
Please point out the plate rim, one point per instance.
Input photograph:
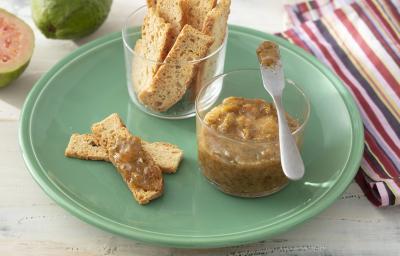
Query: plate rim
{"points": [[180, 241]]}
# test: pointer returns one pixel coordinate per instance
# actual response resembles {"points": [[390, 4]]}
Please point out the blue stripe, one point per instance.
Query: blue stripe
{"points": [[377, 167], [299, 15]]}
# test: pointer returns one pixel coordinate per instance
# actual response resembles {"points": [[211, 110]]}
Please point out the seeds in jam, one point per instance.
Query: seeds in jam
{"points": [[135, 165], [246, 119]]}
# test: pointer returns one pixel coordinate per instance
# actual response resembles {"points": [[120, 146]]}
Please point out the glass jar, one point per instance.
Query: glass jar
{"points": [[246, 168], [136, 64]]}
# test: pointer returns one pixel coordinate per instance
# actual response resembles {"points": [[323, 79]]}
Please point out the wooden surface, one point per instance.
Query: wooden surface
{"points": [[32, 224]]}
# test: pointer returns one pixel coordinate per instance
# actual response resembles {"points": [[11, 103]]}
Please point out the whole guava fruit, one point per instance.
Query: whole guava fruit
{"points": [[69, 19], [16, 47]]}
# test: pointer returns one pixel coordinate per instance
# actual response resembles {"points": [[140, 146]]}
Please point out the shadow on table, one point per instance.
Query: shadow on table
{"points": [[16, 92]]}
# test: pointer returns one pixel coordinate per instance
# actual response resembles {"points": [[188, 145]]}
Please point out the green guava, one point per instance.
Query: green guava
{"points": [[69, 19], [16, 47]]}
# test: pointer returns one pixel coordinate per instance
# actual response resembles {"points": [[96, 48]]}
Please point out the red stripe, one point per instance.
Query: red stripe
{"points": [[303, 7], [373, 161], [360, 179], [371, 114], [393, 10], [369, 52], [292, 35], [376, 33], [376, 11], [381, 157]]}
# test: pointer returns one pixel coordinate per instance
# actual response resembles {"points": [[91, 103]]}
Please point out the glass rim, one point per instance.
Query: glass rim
{"points": [[242, 141], [132, 51]]}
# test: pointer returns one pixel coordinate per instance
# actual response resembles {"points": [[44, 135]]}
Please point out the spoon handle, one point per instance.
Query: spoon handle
{"points": [[292, 163]]}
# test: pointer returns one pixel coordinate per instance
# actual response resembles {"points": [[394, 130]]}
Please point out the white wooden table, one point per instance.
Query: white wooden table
{"points": [[32, 224]]}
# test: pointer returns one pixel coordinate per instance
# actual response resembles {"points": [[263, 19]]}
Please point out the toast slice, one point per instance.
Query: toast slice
{"points": [[156, 36], [165, 155], [137, 168], [197, 12], [104, 129], [173, 12], [135, 165], [86, 147], [142, 70], [157, 39], [172, 79], [215, 25]]}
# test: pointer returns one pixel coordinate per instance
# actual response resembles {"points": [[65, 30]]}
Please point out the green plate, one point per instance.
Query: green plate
{"points": [[90, 84]]}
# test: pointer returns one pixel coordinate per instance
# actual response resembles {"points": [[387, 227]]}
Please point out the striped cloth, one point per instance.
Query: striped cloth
{"points": [[360, 42]]}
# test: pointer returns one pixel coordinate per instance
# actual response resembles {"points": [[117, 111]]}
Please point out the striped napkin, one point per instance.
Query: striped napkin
{"points": [[360, 42]]}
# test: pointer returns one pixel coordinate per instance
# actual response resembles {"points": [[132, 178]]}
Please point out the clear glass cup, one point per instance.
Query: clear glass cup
{"points": [[238, 167], [205, 69]]}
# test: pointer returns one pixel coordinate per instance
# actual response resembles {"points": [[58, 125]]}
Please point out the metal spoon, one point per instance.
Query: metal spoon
{"points": [[273, 81]]}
